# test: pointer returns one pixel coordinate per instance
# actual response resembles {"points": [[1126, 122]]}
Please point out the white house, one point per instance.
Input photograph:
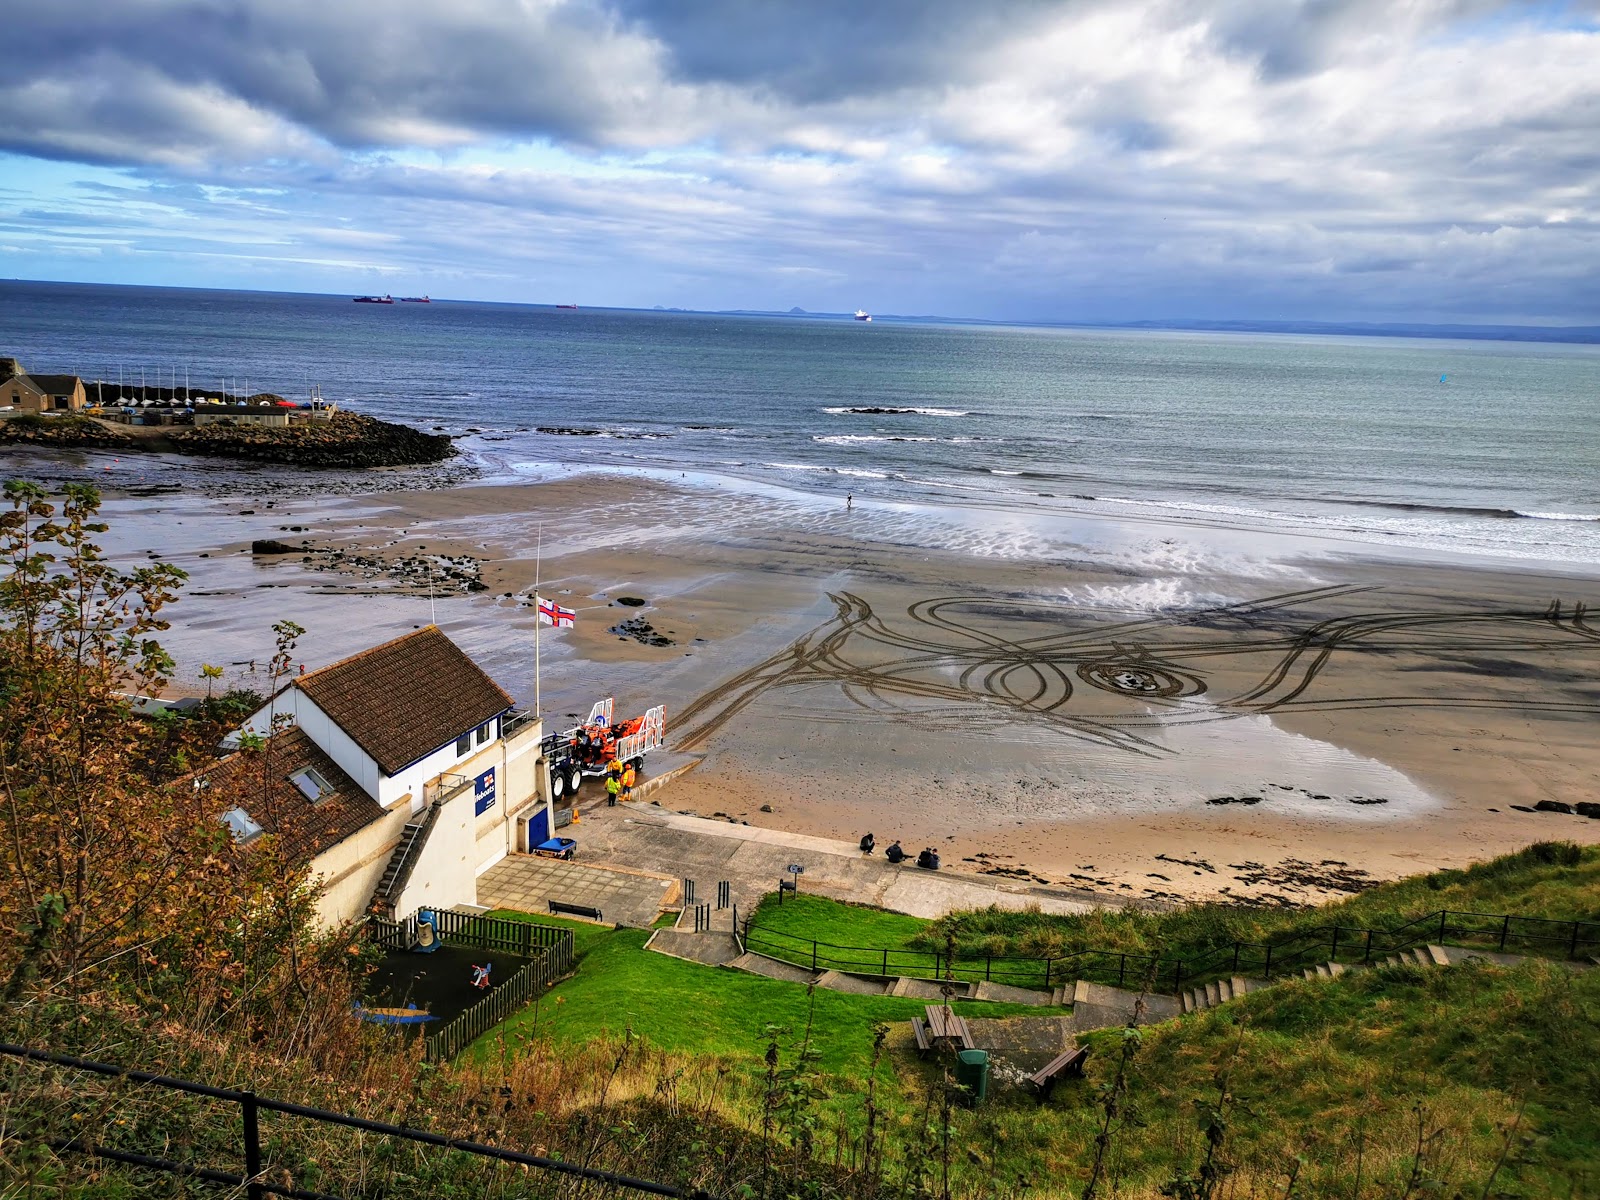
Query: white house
{"points": [[433, 777]]}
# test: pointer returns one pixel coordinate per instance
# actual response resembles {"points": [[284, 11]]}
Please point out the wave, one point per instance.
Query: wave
{"points": [[784, 466], [873, 410], [630, 435], [1471, 510], [1560, 516], [846, 439]]}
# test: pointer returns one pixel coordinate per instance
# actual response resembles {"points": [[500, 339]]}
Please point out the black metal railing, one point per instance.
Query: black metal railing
{"points": [[548, 948], [256, 1167], [1289, 952]]}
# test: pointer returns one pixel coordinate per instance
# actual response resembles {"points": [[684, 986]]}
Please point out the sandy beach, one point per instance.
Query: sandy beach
{"points": [[1169, 711]]}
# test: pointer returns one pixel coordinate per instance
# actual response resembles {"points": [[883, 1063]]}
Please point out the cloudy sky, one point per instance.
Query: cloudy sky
{"points": [[1012, 159]]}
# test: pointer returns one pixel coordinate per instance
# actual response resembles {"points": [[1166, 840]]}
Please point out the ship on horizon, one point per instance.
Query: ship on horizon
{"points": [[572, 306], [415, 300], [863, 315], [374, 299]]}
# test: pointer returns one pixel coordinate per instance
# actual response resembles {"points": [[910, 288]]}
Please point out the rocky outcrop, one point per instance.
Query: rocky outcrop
{"points": [[345, 440], [63, 431]]}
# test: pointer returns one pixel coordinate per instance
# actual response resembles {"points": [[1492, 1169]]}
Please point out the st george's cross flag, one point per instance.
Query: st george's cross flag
{"points": [[551, 613]]}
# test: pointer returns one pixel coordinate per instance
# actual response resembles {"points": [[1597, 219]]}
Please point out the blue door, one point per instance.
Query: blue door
{"points": [[538, 828]]}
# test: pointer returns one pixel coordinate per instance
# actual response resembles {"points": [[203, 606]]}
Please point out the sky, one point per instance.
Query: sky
{"points": [[1081, 160]]}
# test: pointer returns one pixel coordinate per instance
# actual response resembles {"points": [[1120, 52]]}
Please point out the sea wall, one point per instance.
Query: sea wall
{"points": [[343, 440], [65, 430]]}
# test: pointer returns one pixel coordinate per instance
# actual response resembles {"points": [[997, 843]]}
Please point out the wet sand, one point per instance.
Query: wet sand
{"points": [[1175, 711]]}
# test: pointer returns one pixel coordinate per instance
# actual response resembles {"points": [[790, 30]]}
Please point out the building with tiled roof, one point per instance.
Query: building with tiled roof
{"points": [[418, 729], [41, 393]]}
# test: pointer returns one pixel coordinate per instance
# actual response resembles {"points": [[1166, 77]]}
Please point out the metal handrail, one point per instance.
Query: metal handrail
{"points": [[252, 1105]]}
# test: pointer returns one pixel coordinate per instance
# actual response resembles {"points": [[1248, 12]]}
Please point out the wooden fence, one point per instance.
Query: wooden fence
{"points": [[548, 948]]}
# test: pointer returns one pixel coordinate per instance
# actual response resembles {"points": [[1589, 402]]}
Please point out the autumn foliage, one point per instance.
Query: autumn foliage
{"points": [[115, 862]]}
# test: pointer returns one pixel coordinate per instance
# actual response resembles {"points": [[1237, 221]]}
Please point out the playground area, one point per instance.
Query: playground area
{"points": [[440, 983]]}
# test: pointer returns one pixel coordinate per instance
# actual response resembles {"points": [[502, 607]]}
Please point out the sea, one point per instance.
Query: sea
{"points": [[1475, 447]]}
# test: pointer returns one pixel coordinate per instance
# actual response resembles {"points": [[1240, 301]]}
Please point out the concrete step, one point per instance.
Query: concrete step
{"points": [[856, 985], [1421, 957], [1213, 995], [1187, 1000], [1004, 993], [1437, 955], [1225, 989], [1243, 986], [772, 968], [714, 949], [928, 989], [1323, 972], [1308, 973], [1336, 969], [1198, 998], [1061, 996]]}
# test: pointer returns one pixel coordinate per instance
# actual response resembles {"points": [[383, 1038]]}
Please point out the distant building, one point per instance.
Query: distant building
{"points": [[254, 414], [421, 777], [38, 393]]}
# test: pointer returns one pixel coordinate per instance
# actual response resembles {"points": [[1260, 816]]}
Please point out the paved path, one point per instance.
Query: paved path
{"points": [[526, 883], [753, 860]]}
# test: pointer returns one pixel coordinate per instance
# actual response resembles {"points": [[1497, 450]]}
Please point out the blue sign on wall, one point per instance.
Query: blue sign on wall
{"points": [[483, 792]]}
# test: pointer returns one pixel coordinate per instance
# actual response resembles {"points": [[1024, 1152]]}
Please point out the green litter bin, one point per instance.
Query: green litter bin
{"points": [[972, 1073]]}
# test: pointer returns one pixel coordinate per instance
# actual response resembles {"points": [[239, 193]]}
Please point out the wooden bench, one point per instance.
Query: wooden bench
{"points": [[575, 910], [1069, 1061], [945, 1026], [919, 1030]]}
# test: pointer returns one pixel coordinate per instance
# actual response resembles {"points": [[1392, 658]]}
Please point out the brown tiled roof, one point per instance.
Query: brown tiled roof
{"points": [[404, 699], [259, 782]]}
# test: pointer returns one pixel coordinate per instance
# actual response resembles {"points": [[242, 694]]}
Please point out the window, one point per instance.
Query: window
{"points": [[243, 827], [483, 732], [311, 784], [463, 744]]}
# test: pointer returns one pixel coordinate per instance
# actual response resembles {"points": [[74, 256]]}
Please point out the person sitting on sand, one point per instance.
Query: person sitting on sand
{"points": [[928, 860], [894, 853], [867, 843]]}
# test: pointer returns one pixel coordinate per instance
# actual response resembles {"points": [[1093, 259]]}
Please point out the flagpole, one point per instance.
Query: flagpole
{"points": [[538, 620]]}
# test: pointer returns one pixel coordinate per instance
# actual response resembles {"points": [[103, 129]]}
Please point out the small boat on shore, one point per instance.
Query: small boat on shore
{"points": [[863, 315], [374, 300]]}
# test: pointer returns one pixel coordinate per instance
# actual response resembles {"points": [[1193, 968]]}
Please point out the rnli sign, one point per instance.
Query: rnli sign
{"points": [[483, 792]]}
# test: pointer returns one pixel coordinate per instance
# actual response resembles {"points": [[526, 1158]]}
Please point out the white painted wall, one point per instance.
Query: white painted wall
{"points": [[321, 729], [443, 875], [348, 873]]}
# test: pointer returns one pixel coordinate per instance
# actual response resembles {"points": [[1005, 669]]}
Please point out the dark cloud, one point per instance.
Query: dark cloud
{"points": [[828, 50]]}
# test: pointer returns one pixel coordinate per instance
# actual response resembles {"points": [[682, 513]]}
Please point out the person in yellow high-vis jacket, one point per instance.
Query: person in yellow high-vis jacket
{"points": [[627, 781], [613, 786]]}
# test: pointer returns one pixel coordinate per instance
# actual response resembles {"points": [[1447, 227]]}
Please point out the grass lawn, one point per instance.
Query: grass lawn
{"points": [[817, 919], [685, 1006]]}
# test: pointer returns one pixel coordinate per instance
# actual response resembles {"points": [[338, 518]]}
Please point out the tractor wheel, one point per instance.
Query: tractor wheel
{"points": [[574, 781], [558, 785]]}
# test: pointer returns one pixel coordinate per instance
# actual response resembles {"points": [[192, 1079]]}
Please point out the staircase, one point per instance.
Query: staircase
{"points": [[1212, 994], [402, 862]]}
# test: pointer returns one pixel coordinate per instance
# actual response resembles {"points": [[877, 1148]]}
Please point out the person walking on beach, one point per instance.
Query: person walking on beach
{"points": [[849, 502]]}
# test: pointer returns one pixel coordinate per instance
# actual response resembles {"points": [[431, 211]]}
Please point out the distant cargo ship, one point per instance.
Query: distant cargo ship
{"points": [[863, 315], [415, 300], [566, 306], [374, 299]]}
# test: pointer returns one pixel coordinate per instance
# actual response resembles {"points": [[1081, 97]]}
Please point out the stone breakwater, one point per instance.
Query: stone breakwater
{"points": [[345, 440], [64, 431]]}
